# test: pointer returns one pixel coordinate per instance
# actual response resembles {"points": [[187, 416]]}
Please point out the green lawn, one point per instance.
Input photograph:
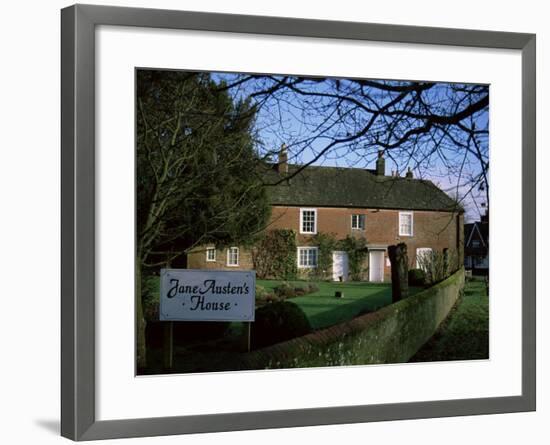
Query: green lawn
{"points": [[464, 335], [323, 309]]}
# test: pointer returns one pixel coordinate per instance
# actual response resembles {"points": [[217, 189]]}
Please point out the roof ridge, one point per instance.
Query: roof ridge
{"points": [[336, 186]]}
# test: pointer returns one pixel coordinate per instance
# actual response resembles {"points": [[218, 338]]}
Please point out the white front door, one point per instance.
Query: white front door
{"points": [[376, 266], [340, 266]]}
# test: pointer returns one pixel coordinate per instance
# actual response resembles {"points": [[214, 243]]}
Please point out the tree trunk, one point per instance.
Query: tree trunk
{"points": [[399, 271], [141, 350]]}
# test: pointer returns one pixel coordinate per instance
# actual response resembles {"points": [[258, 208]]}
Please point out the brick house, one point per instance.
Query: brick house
{"points": [[353, 202]]}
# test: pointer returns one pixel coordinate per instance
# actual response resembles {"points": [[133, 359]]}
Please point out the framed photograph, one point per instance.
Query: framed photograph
{"points": [[273, 222]]}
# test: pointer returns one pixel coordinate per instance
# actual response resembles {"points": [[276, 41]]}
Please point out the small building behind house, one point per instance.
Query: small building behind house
{"points": [[476, 246]]}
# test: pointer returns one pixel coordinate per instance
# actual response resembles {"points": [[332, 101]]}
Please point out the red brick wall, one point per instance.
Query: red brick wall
{"points": [[437, 230], [196, 259]]}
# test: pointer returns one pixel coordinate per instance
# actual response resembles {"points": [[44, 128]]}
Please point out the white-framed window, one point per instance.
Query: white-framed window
{"points": [[210, 254], [307, 257], [358, 221], [423, 257], [405, 223], [308, 221], [233, 256]]}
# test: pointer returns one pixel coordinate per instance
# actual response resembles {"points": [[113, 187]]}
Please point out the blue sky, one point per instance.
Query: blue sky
{"points": [[293, 122]]}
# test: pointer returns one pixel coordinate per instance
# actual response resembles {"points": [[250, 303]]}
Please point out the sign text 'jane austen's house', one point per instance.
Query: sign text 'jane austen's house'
{"points": [[350, 202]]}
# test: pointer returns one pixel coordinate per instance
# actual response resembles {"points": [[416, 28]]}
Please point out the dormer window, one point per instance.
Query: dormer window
{"points": [[308, 221]]}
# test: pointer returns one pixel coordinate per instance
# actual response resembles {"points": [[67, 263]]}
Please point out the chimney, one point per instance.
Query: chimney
{"points": [[282, 166], [380, 164], [409, 174]]}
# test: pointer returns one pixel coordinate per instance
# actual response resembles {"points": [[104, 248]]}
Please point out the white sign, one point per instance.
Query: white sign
{"points": [[207, 295]]}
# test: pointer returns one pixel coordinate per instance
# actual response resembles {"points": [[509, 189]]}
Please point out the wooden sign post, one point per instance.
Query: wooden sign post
{"points": [[247, 336], [168, 346]]}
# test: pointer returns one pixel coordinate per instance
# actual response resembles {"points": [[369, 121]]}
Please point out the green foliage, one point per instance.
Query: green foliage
{"points": [[417, 277], [274, 255], [261, 292], [285, 290], [356, 249], [197, 169], [150, 296], [197, 175], [326, 243], [277, 322]]}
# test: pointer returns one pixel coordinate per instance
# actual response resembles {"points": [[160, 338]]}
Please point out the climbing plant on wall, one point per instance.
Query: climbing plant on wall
{"points": [[274, 256], [326, 244], [356, 249]]}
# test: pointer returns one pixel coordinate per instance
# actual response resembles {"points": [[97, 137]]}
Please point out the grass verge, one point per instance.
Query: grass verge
{"points": [[464, 335]]}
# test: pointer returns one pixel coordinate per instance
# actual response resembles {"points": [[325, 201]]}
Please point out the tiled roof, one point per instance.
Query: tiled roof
{"points": [[355, 187]]}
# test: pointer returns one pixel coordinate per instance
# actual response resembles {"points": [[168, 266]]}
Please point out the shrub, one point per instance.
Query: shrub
{"points": [[312, 288], [285, 290], [261, 292], [357, 253], [325, 243], [271, 298], [277, 322], [417, 277]]}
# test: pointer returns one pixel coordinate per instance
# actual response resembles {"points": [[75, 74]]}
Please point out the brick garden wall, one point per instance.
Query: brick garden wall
{"points": [[391, 335]]}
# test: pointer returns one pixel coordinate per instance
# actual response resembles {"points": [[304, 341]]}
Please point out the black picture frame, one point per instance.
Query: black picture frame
{"points": [[78, 23]]}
